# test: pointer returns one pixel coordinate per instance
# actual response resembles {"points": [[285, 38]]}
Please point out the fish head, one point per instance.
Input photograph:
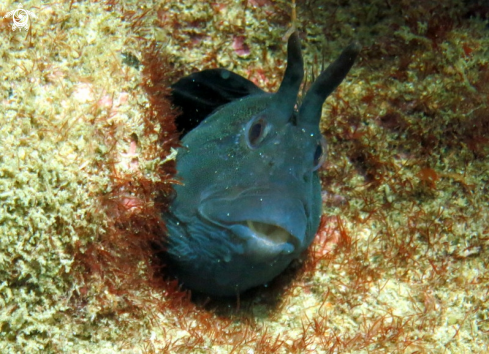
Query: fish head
{"points": [[250, 198]]}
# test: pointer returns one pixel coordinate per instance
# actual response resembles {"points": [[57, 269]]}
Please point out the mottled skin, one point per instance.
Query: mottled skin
{"points": [[250, 199]]}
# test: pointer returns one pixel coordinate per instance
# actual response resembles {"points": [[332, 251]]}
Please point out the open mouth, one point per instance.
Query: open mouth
{"points": [[263, 241], [269, 234]]}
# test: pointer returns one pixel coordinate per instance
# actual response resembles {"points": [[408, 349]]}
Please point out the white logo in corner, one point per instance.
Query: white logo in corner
{"points": [[20, 18]]}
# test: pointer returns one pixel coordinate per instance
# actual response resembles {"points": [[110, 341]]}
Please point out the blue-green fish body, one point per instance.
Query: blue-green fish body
{"points": [[250, 199]]}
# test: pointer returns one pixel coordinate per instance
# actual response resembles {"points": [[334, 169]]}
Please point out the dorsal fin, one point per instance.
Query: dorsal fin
{"points": [[201, 93]]}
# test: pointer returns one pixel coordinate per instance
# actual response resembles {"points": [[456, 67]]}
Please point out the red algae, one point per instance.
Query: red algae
{"points": [[125, 256]]}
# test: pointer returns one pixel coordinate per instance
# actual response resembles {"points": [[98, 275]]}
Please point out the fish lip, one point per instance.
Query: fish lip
{"points": [[262, 210], [266, 225]]}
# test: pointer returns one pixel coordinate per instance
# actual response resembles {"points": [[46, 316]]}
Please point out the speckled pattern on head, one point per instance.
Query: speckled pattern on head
{"points": [[250, 199]]}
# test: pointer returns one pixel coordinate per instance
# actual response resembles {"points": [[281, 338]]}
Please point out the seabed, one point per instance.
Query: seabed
{"points": [[400, 263]]}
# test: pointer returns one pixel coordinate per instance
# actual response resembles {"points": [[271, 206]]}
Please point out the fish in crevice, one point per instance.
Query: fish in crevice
{"points": [[250, 198]]}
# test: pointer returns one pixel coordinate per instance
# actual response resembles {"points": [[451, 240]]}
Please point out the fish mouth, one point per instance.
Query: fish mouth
{"points": [[264, 241], [266, 226], [269, 234]]}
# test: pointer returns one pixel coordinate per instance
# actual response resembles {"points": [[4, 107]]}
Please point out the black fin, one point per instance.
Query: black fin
{"points": [[201, 93]]}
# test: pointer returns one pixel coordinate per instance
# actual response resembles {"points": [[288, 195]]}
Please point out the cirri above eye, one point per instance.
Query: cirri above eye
{"points": [[250, 198]]}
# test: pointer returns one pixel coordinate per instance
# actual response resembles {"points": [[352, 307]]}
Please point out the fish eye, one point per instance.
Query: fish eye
{"points": [[256, 131], [319, 153]]}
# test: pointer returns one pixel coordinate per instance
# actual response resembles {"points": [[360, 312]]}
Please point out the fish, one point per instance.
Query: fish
{"points": [[249, 201]]}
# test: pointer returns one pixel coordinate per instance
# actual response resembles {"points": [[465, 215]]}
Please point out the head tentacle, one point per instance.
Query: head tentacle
{"points": [[325, 84], [286, 96]]}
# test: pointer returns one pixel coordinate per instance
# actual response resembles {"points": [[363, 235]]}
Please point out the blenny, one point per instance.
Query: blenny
{"points": [[250, 198]]}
